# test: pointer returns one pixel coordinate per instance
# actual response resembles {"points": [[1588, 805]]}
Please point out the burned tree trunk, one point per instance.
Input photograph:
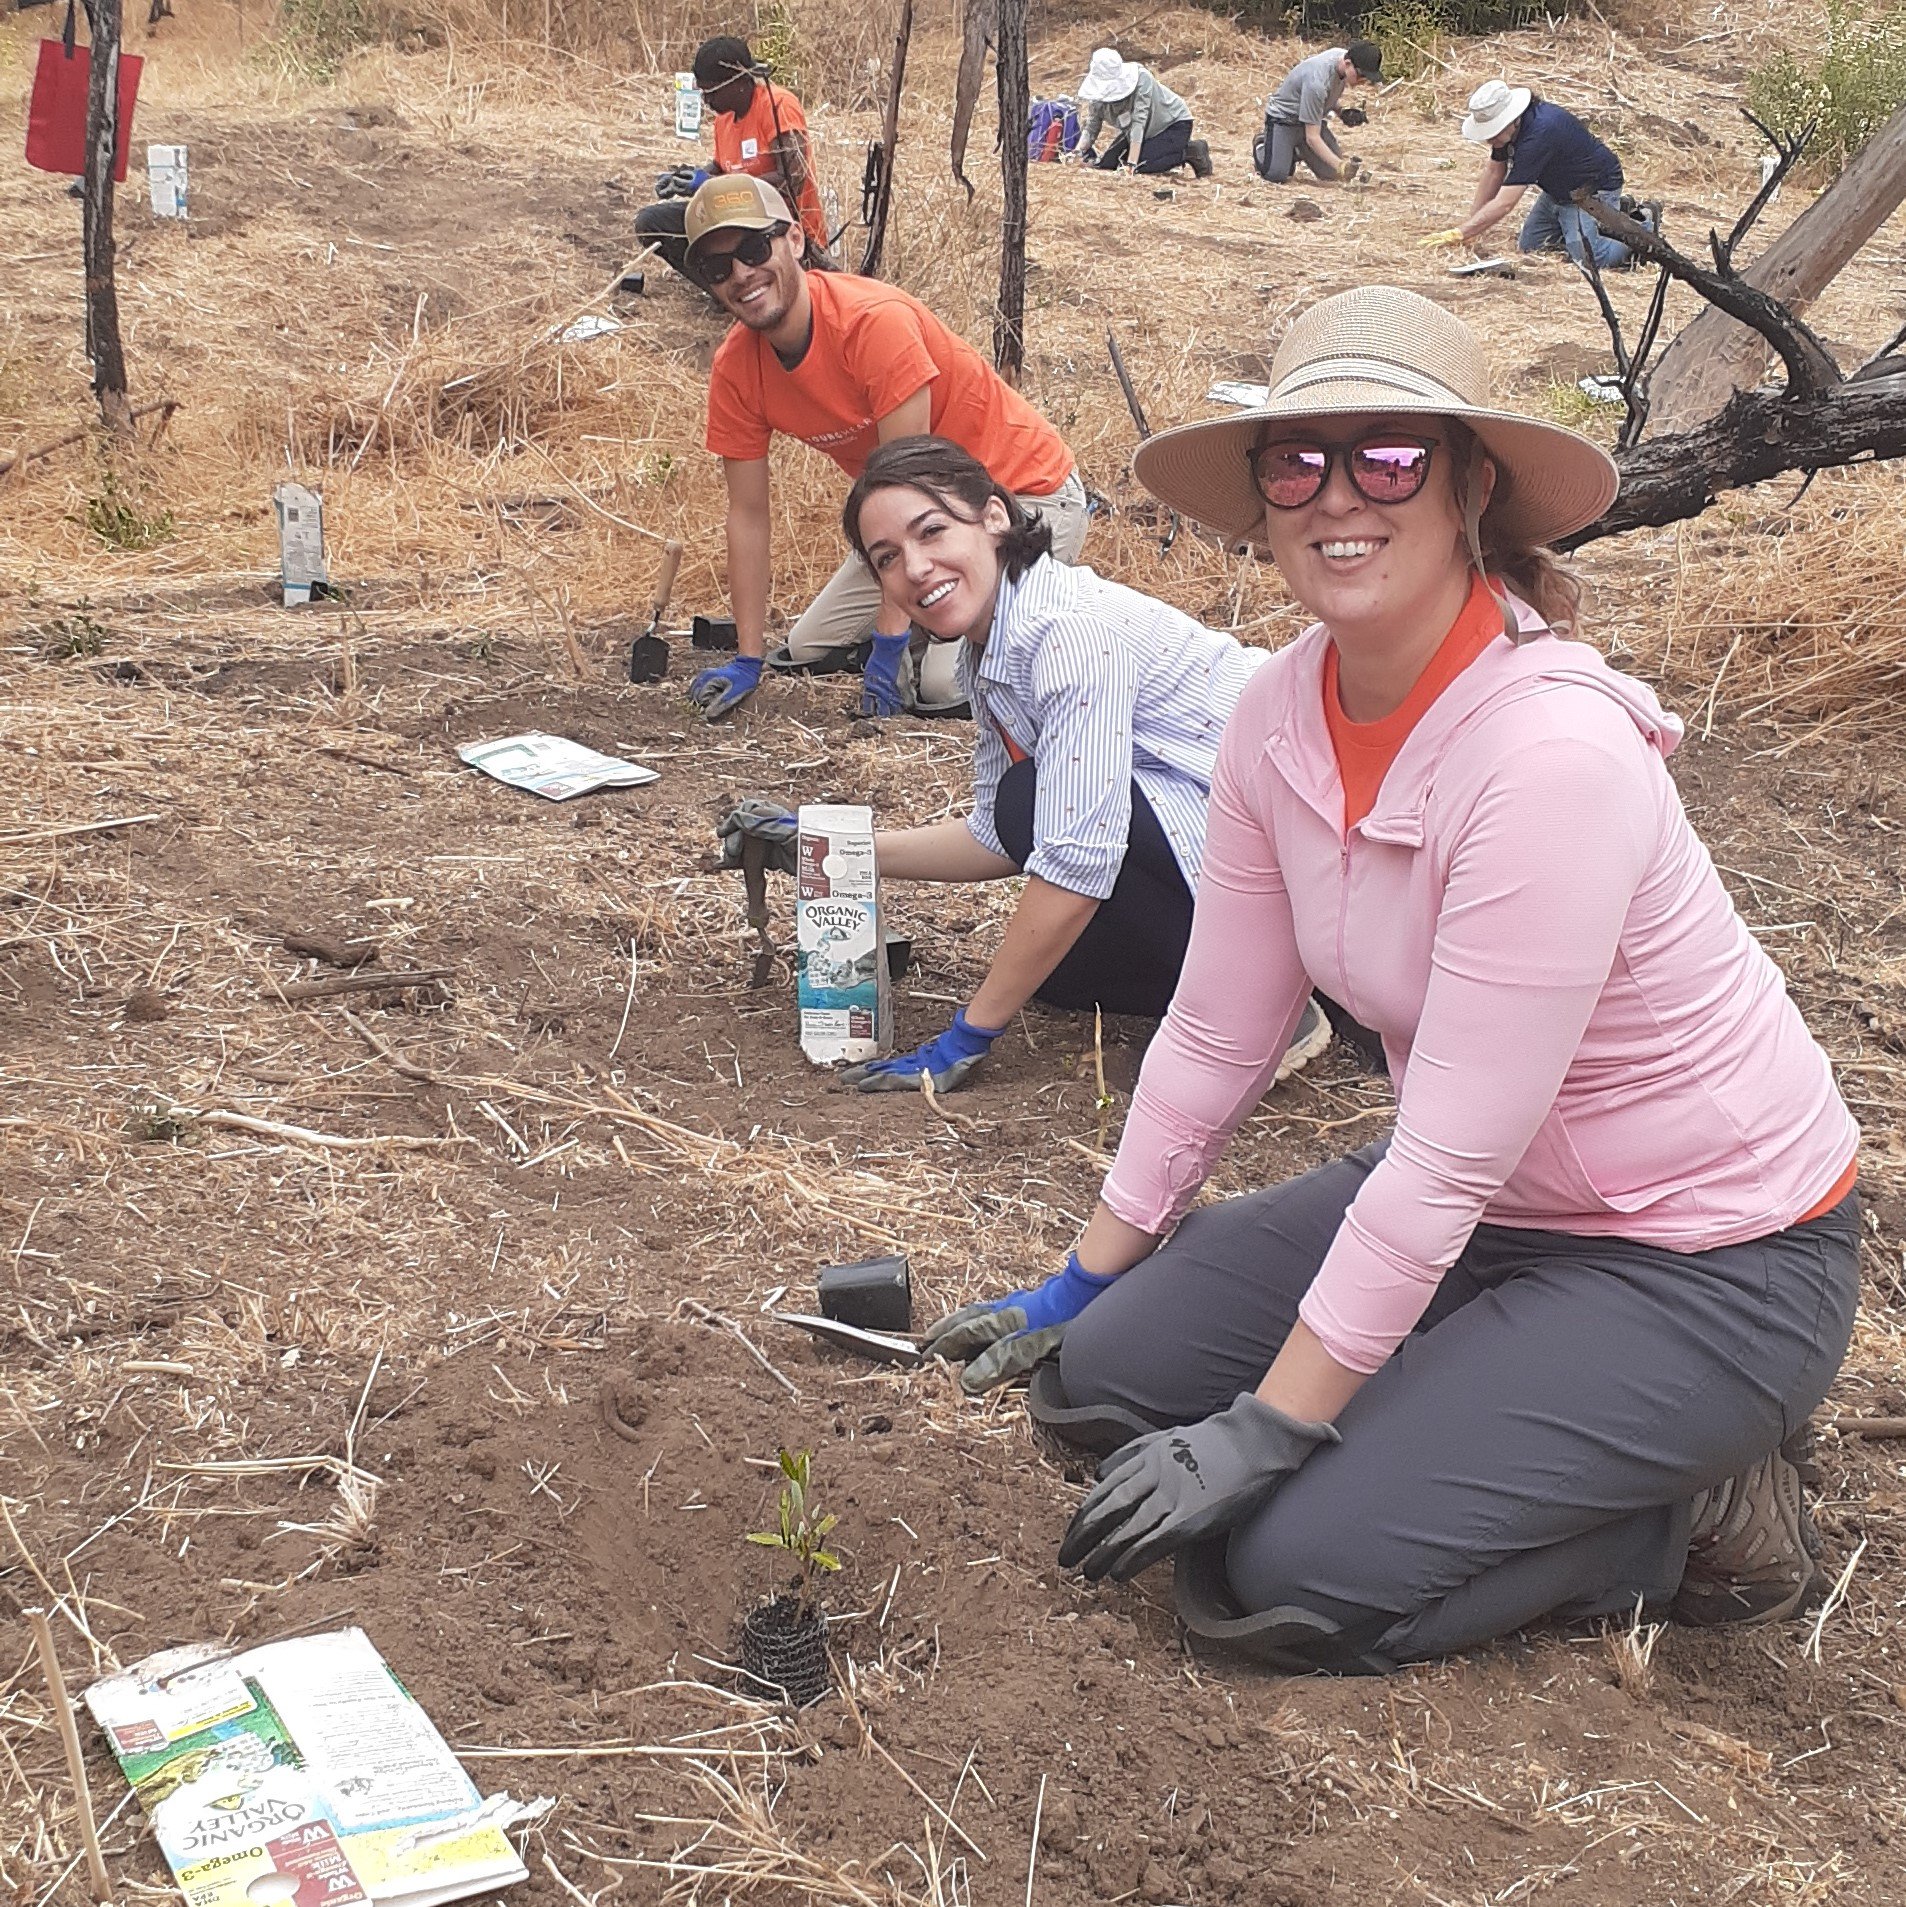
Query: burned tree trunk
{"points": [[1715, 356], [102, 296], [1816, 420], [1759, 434], [889, 140], [1015, 109], [977, 27]]}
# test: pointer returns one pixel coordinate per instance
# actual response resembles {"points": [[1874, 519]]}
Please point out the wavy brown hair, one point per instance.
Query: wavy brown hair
{"points": [[959, 483]]}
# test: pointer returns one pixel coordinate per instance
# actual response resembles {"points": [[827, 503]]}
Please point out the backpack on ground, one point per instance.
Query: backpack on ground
{"points": [[1052, 128]]}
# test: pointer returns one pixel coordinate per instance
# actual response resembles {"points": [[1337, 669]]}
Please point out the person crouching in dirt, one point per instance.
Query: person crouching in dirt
{"points": [[1099, 712], [845, 364], [1533, 142], [1153, 125], [1549, 1350], [760, 129], [1297, 115]]}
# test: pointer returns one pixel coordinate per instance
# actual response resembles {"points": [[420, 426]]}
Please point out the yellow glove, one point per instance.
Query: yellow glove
{"points": [[1438, 239]]}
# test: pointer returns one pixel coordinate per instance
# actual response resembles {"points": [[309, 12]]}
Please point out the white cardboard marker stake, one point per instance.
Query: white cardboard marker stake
{"points": [[166, 180], [300, 541], [688, 107]]}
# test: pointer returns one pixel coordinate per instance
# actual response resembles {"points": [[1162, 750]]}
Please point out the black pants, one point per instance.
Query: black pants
{"points": [[661, 225], [1129, 957], [1163, 150]]}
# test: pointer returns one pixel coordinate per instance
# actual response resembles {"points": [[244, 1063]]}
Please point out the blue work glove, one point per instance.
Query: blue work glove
{"points": [[880, 680], [716, 691], [946, 1061], [1173, 1487], [1003, 1338], [766, 821]]}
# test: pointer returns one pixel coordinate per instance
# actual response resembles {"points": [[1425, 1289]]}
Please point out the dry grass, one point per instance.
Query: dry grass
{"points": [[486, 486]]}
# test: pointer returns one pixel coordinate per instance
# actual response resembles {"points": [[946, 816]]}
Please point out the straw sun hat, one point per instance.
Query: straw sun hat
{"points": [[1382, 350]]}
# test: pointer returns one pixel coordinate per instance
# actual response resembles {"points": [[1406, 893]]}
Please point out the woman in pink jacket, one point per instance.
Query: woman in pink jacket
{"points": [[1549, 1350]]}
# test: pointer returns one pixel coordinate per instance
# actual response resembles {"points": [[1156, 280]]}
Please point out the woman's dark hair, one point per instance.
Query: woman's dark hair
{"points": [[960, 484]]}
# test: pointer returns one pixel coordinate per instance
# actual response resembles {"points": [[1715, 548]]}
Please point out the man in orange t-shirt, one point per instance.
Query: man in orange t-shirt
{"points": [[759, 129], [844, 364]]}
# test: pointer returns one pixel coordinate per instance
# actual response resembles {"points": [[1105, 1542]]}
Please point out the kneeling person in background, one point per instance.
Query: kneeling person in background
{"points": [[1153, 125], [1297, 115], [845, 364], [760, 129]]}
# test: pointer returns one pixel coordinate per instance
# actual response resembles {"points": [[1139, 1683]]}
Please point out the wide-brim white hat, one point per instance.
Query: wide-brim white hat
{"points": [[1492, 106], [1392, 353], [1108, 77]]}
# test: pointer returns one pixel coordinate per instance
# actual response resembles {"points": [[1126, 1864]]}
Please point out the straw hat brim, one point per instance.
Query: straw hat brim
{"points": [[1549, 480]]}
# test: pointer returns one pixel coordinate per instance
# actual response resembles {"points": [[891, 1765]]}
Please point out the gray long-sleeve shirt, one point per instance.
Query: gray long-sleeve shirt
{"points": [[1150, 107]]}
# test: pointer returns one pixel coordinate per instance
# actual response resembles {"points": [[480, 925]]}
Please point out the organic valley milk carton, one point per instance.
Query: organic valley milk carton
{"points": [[846, 1010]]}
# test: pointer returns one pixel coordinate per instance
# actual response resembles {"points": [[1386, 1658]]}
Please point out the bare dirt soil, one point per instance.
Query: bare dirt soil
{"points": [[507, 1240]]}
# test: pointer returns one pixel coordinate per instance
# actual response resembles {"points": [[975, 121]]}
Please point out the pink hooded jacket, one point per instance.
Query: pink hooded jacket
{"points": [[1583, 1034]]}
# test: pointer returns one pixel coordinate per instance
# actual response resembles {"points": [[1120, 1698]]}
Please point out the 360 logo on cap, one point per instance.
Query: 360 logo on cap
{"points": [[734, 201]]}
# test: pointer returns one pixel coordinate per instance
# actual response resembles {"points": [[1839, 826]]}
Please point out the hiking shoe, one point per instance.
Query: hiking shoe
{"points": [[1310, 1039], [1753, 1553], [1198, 152]]}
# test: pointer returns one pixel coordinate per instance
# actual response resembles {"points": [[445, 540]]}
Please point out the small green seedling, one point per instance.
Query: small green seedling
{"points": [[802, 1532]]}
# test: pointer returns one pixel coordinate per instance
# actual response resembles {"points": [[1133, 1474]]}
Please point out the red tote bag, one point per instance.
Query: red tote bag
{"points": [[56, 115]]}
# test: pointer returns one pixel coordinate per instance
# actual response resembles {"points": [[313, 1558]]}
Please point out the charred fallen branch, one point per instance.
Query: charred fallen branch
{"points": [[1817, 420], [1759, 434]]}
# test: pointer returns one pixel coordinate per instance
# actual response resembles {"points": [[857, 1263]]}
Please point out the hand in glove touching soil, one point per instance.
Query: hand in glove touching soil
{"points": [[946, 1061], [1005, 1337], [1171, 1488]]}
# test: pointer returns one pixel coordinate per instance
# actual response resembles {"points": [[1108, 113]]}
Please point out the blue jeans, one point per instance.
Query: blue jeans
{"points": [[1552, 223]]}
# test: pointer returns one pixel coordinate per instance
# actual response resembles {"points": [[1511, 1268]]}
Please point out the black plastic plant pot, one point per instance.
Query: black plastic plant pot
{"points": [[713, 632], [784, 1646], [876, 1294]]}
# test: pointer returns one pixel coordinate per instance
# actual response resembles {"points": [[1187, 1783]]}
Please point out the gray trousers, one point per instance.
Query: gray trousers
{"points": [[1529, 1451], [1284, 144]]}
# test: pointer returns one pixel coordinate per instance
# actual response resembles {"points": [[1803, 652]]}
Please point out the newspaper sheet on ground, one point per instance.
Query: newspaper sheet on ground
{"points": [[300, 1774], [552, 766]]}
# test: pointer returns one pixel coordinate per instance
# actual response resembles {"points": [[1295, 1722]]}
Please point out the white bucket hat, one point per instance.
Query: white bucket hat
{"points": [[1108, 77], [1391, 352], [1492, 106]]}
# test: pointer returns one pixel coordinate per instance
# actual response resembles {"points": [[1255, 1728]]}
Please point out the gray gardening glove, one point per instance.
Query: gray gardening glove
{"points": [[1168, 1489], [767, 821], [1003, 1338]]}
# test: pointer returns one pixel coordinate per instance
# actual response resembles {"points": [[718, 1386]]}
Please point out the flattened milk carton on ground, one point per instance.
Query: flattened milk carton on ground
{"points": [[846, 1008]]}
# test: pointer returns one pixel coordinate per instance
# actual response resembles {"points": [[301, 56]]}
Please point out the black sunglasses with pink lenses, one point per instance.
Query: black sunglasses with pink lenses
{"points": [[1383, 468]]}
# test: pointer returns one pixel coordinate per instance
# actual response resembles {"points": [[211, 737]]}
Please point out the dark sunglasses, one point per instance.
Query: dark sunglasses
{"points": [[715, 268], [1382, 469]]}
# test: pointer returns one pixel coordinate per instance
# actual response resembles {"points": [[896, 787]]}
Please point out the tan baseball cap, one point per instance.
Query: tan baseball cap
{"points": [[734, 201]]}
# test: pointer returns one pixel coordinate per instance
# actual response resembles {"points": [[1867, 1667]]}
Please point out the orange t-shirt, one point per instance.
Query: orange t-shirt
{"points": [[872, 348], [1365, 750], [744, 142]]}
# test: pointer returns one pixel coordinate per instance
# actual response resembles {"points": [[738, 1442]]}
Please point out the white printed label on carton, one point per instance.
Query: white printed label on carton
{"points": [[846, 1011]]}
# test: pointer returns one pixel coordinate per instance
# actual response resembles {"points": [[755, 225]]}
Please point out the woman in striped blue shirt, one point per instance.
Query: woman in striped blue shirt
{"points": [[1097, 711]]}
